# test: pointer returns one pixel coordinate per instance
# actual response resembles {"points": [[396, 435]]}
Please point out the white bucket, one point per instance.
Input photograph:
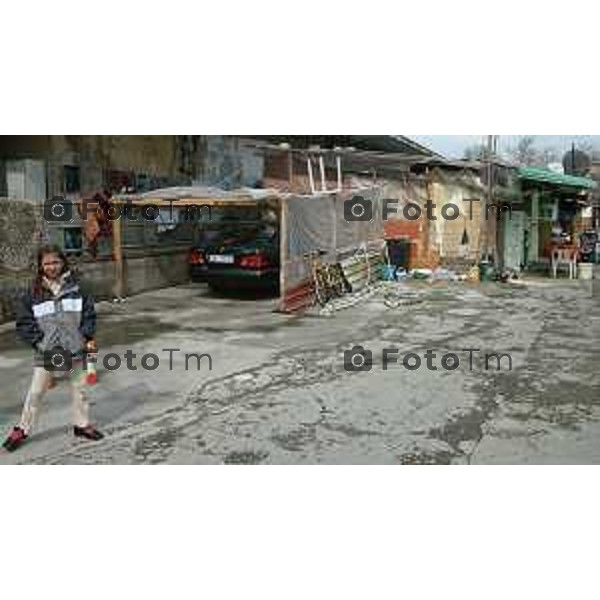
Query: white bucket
{"points": [[585, 271]]}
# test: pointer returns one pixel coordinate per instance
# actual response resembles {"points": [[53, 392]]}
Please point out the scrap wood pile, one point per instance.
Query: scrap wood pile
{"points": [[363, 268], [333, 285], [366, 274]]}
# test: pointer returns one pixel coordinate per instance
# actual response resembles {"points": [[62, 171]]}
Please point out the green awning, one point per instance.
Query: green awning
{"points": [[546, 176]]}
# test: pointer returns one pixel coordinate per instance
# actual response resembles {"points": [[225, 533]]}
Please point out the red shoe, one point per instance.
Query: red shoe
{"points": [[15, 439], [89, 432]]}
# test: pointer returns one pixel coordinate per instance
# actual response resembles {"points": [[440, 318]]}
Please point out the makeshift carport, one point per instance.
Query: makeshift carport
{"points": [[307, 224], [168, 223]]}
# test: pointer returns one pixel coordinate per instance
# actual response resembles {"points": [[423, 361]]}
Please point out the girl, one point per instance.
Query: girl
{"points": [[59, 323]]}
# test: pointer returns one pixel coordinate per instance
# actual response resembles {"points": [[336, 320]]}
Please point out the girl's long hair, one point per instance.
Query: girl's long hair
{"points": [[44, 251]]}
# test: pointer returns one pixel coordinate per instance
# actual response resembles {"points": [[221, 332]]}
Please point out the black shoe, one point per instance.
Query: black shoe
{"points": [[15, 439], [89, 432]]}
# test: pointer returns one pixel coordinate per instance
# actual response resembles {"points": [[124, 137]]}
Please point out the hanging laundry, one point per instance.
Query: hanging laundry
{"points": [[97, 224]]}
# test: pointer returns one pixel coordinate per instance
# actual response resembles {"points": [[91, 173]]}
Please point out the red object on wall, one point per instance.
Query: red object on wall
{"points": [[396, 229]]}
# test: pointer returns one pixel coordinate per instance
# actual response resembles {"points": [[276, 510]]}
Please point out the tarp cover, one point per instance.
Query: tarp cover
{"points": [[200, 191], [318, 223]]}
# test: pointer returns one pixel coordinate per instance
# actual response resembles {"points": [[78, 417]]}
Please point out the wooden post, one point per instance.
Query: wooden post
{"points": [[424, 253], [335, 223], [117, 232], [283, 250], [290, 171]]}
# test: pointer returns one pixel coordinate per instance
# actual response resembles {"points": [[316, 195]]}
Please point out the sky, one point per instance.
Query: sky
{"points": [[453, 146]]}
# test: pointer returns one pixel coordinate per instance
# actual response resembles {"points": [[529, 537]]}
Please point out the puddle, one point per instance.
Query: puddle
{"points": [[112, 332], [9, 363]]}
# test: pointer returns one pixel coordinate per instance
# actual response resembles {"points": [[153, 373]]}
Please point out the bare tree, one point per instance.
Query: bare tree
{"points": [[585, 146], [525, 153], [589, 147]]}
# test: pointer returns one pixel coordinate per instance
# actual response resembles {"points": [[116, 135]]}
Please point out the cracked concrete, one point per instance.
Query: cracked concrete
{"points": [[279, 393]]}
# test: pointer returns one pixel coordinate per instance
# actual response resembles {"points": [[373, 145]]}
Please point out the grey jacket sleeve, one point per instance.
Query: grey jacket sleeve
{"points": [[27, 328]]}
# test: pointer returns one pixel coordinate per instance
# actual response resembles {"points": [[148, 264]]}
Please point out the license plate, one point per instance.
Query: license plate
{"points": [[226, 259]]}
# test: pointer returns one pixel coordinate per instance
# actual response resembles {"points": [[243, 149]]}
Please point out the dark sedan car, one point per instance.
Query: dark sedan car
{"points": [[239, 260]]}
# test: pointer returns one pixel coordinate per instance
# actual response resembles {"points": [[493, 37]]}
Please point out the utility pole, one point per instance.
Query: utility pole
{"points": [[489, 198]]}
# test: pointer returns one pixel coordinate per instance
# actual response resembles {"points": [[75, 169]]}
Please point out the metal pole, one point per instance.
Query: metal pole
{"points": [[485, 244], [311, 178], [322, 169], [499, 244]]}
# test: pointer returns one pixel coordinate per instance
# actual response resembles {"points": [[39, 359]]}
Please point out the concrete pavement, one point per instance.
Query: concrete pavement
{"points": [[278, 391]]}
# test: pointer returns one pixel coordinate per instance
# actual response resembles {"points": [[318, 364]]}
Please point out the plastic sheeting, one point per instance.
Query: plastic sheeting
{"points": [[200, 191], [320, 223]]}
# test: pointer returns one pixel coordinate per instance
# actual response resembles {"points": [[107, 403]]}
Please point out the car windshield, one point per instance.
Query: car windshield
{"points": [[239, 225]]}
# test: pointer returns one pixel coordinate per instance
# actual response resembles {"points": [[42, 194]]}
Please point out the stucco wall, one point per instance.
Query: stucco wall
{"points": [[229, 162], [154, 155]]}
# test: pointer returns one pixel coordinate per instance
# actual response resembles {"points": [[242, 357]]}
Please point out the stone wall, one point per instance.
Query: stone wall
{"points": [[22, 230], [20, 227]]}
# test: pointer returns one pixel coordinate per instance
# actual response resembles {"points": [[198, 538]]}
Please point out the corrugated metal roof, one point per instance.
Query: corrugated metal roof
{"points": [[546, 176]]}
